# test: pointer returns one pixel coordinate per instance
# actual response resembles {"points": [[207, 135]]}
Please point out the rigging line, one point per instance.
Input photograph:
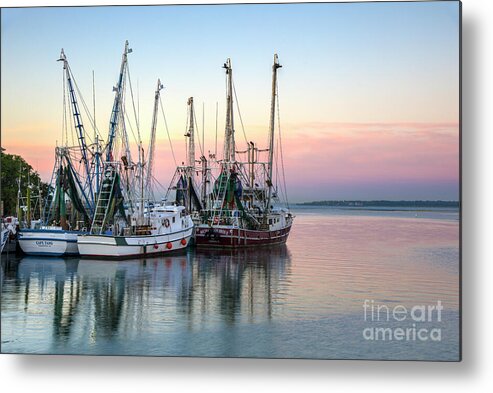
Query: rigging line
{"points": [[167, 132], [123, 130], [131, 128], [169, 189], [225, 141], [84, 105], [276, 159], [138, 102], [133, 102], [125, 142], [86, 109], [186, 133], [279, 189], [94, 106], [215, 146], [239, 114], [64, 114], [72, 128], [280, 147], [198, 134], [156, 181]]}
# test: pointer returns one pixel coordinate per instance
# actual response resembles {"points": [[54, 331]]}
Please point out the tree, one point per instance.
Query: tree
{"points": [[13, 168]]}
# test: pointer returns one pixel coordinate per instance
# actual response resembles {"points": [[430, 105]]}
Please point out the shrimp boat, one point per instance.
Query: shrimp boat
{"points": [[54, 235], [48, 241], [167, 229], [57, 239], [70, 202], [125, 223], [243, 208]]}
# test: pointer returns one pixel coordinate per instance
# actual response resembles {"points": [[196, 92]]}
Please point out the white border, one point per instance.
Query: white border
{"points": [[127, 374]]}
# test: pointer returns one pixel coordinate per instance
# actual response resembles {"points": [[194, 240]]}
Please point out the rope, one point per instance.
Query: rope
{"points": [[72, 127], [280, 148], [64, 114], [215, 146], [198, 135], [123, 113], [239, 114], [133, 102], [167, 132], [131, 128], [92, 120], [186, 133]]}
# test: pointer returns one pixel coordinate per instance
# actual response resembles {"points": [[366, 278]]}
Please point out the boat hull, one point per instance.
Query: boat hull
{"points": [[107, 246], [48, 242], [231, 237], [4, 238]]}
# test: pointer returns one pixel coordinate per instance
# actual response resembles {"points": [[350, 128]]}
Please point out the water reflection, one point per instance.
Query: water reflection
{"points": [[100, 299], [300, 300]]}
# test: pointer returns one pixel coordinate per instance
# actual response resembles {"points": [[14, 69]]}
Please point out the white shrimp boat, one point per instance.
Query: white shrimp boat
{"points": [[72, 180], [48, 241], [169, 229], [124, 224]]}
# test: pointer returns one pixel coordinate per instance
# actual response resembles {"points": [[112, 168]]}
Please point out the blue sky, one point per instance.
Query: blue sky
{"points": [[343, 63]]}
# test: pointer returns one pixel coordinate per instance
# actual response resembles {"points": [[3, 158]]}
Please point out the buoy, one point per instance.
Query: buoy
{"points": [[183, 242], [169, 246], [156, 246]]}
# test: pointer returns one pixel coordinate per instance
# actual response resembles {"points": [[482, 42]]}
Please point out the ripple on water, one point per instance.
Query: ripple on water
{"points": [[300, 300]]}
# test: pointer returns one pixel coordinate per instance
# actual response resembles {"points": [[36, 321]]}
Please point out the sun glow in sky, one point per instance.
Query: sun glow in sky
{"points": [[369, 93]]}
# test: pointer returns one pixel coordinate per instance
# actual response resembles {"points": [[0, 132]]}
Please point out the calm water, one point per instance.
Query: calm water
{"points": [[302, 300]]}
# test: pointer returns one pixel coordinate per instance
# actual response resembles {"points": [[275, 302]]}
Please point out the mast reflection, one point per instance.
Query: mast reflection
{"points": [[106, 299]]}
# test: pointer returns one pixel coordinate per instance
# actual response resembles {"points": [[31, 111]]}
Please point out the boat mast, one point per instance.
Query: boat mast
{"points": [[141, 165], [28, 200], [78, 123], [110, 181], [40, 200], [97, 153], [18, 207], [150, 159], [117, 103], [205, 181], [251, 164], [191, 153], [191, 135], [229, 136], [275, 66], [61, 200]]}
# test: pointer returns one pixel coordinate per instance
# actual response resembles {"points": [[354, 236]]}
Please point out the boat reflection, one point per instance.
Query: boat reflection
{"points": [[94, 299]]}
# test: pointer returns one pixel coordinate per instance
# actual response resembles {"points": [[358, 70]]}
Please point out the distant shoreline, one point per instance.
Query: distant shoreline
{"points": [[382, 203]]}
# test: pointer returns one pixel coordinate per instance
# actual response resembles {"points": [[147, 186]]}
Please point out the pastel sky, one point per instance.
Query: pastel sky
{"points": [[369, 93]]}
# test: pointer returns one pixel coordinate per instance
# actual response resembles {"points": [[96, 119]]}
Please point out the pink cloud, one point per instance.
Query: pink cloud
{"points": [[325, 154], [336, 152]]}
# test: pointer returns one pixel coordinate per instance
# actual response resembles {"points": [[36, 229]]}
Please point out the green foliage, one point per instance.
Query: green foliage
{"points": [[11, 167]]}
